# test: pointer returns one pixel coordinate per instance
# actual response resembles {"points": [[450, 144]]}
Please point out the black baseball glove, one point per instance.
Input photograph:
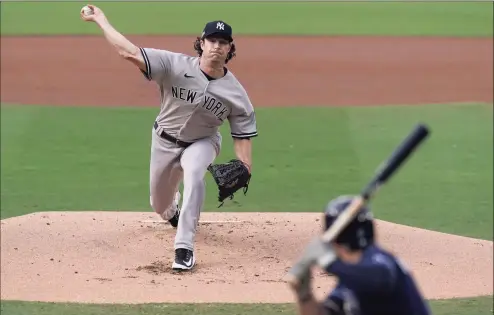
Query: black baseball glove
{"points": [[230, 177]]}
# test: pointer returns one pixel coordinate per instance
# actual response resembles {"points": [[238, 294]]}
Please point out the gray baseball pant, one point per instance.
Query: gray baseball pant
{"points": [[169, 165]]}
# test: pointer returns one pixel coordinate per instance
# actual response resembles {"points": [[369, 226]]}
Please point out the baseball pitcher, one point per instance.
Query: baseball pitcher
{"points": [[198, 94], [371, 281]]}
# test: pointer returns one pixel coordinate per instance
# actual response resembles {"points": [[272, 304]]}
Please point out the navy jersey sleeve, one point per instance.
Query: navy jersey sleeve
{"points": [[341, 301], [378, 273]]}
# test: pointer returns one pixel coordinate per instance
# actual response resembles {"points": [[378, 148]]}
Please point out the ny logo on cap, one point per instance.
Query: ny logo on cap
{"points": [[220, 26]]}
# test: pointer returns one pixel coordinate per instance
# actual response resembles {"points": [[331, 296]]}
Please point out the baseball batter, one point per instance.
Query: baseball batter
{"points": [[197, 94], [371, 280]]}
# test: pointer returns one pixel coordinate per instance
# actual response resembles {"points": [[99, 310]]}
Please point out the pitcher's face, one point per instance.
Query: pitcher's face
{"points": [[215, 48]]}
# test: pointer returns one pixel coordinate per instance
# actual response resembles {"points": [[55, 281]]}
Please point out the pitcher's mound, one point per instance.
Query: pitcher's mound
{"points": [[124, 257]]}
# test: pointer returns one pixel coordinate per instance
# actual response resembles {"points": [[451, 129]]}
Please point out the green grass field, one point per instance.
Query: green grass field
{"points": [[455, 168], [299, 18], [475, 306], [48, 164]]}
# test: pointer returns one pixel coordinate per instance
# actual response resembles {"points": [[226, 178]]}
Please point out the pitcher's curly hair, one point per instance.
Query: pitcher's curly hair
{"points": [[198, 49]]}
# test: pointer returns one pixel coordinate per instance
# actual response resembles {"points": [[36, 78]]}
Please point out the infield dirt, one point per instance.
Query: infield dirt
{"points": [[275, 71], [113, 257]]}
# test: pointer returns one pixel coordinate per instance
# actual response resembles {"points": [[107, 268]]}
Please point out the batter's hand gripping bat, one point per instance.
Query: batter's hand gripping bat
{"points": [[382, 175]]}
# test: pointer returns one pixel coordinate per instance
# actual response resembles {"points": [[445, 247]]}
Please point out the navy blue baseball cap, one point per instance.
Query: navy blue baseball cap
{"points": [[217, 27]]}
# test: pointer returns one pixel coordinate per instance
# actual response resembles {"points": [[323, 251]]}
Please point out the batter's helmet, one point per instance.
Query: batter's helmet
{"points": [[359, 233]]}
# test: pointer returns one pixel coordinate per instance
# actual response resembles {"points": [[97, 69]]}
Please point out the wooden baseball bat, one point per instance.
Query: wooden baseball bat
{"points": [[382, 175]]}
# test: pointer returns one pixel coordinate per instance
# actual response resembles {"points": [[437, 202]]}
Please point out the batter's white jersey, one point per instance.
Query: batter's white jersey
{"points": [[193, 107]]}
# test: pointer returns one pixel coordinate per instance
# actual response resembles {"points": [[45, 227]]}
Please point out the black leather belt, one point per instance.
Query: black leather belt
{"points": [[170, 138]]}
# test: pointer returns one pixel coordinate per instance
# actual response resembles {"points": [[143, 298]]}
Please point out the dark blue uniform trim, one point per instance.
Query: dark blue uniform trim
{"points": [[244, 135], [379, 284], [364, 276], [146, 73]]}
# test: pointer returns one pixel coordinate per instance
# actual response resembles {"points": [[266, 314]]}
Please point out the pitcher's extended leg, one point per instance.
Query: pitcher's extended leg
{"points": [[165, 175], [195, 160]]}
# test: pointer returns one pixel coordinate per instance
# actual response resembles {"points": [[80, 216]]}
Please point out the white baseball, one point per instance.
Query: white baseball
{"points": [[87, 10]]}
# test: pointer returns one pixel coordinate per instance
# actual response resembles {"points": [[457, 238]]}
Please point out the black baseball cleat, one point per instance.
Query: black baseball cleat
{"points": [[174, 220], [184, 259]]}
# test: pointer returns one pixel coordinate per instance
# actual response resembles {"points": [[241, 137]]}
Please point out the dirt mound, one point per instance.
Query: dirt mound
{"points": [[276, 71], [126, 257]]}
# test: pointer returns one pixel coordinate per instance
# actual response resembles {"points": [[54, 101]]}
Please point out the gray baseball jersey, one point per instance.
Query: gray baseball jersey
{"points": [[193, 107]]}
